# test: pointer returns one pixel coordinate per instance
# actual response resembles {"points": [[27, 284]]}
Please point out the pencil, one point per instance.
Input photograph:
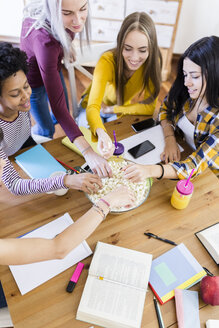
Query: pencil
{"points": [[67, 166], [159, 317]]}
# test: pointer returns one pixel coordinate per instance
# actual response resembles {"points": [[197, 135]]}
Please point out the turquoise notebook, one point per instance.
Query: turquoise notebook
{"points": [[38, 163]]}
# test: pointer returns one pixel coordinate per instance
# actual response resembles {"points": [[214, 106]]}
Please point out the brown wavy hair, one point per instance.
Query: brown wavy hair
{"points": [[139, 21]]}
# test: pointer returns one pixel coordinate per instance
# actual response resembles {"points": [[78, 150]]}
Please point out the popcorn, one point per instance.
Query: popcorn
{"points": [[140, 189]]}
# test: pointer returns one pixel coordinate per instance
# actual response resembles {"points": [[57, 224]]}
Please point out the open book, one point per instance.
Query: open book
{"points": [[115, 290], [209, 237], [210, 323]]}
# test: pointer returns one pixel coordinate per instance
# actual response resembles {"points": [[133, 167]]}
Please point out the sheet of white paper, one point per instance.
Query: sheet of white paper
{"points": [[154, 135], [5, 318], [30, 276]]}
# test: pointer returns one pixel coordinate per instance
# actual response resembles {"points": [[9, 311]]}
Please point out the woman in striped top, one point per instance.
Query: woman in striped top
{"points": [[28, 250], [15, 124], [193, 107]]}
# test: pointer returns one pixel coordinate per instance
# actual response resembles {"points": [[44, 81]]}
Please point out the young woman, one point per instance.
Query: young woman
{"points": [[48, 29], [15, 128], [193, 107], [126, 79]]}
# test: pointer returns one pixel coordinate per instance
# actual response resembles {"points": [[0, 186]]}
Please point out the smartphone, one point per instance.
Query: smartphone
{"points": [[85, 167], [141, 149], [143, 125]]}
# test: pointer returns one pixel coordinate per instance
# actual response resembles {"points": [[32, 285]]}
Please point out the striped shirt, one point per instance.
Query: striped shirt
{"points": [[15, 135], [206, 138]]}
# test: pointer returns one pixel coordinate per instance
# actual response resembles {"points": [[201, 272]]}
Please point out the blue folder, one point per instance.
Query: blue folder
{"points": [[38, 163]]}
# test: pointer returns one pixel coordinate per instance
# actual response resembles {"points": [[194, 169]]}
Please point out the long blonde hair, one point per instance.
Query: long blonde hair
{"points": [[48, 15], [142, 22]]}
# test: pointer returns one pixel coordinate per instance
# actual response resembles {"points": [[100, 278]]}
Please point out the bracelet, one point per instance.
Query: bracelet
{"points": [[83, 151], [105, 202], [169, 135], [161, 165], [99, 210]]}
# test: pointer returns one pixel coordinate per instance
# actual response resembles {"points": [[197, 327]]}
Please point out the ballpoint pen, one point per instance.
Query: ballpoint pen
{"points": [[149, 234], [159, 317]]}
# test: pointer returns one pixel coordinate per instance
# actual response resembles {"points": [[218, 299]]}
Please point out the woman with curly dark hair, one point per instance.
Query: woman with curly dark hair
{"points": [[15, 123]]}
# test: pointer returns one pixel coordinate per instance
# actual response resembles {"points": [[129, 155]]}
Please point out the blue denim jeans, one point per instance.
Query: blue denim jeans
{"points": [[81, 120], [44, 118]]}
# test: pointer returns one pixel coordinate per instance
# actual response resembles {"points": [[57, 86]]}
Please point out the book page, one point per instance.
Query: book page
{"points": [[105, 303], [121, 265], [211, 323], [209, 238]]}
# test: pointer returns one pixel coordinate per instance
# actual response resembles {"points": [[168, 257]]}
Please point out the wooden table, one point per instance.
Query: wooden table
{"points": [[49, 305]]}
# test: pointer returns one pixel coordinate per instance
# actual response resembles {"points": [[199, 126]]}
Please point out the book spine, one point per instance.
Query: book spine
{"points": [[157, 296]]}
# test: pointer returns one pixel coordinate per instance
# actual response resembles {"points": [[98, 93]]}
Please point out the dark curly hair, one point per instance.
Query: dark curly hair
{"points": [[12, 60]]}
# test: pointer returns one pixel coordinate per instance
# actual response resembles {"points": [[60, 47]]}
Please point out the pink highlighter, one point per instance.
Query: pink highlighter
{"points": [[75, 277]]}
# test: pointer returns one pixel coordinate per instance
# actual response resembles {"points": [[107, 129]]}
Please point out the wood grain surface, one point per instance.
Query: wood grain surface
{"points": [[49, 305]]}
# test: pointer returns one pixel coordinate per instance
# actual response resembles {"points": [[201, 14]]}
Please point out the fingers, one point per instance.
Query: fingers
{"points": [[109, 152], [162, 156], [90, 182], [126, 197], [107, 149], [129, 171]]}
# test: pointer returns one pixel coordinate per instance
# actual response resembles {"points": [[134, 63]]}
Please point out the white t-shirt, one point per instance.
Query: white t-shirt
{"points": [[188, 129]]}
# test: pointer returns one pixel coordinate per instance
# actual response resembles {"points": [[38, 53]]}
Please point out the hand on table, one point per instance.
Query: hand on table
{"points": [[171, 151], [105, 144], [86, 182]]}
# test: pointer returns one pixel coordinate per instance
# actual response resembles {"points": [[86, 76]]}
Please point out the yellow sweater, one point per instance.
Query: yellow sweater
{"points": [[103, 89]]}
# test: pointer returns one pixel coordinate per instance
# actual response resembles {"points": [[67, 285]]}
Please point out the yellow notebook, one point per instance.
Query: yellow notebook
{"points": [[88, 136]]}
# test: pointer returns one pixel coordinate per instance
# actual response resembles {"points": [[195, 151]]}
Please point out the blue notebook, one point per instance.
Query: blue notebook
{"points": [[38, 163]]}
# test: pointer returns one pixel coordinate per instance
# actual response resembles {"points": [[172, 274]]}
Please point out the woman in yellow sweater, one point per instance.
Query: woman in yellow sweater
{"points": [[126, 79]]}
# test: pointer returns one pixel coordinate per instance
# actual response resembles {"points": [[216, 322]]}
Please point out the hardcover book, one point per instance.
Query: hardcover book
{"points": [[115, 290], [176, 268], [38, 163], [209, 237]]}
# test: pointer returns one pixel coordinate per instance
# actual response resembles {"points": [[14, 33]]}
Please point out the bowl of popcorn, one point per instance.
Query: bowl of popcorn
{"points": [[141, 190]]}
